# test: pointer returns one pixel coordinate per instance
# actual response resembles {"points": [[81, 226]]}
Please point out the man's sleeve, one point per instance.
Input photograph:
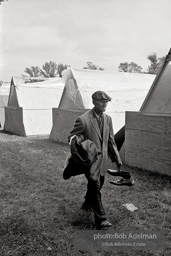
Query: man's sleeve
{"points": [[112, 148], [78, 128]]}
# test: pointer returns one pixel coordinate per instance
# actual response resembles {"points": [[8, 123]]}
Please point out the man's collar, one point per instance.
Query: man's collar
{"points": [[97, 115]]}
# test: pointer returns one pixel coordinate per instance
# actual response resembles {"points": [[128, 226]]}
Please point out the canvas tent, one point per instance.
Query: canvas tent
{"points": [[4, 93], [127, 91], [29, 109], [148, 132]]}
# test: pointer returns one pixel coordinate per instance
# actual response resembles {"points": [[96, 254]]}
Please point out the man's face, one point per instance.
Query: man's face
{"points": [[100, 105]]}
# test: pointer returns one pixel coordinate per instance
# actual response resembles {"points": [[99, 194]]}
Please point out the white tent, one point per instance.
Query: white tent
{"points": [[148, 131], [4, 93], [127, 91], [29, 110]]}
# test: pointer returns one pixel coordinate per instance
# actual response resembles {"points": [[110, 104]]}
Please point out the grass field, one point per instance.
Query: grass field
{"points": [[39, 211]]}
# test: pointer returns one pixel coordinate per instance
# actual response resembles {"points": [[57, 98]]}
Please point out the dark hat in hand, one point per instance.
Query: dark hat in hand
{"points": [[100, 95]]}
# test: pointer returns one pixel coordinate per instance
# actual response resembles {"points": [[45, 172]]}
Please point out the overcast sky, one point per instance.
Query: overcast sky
{"points": [[73, 32]]}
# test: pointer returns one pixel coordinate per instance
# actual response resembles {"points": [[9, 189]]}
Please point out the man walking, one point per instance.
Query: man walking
{"points": [[96, 126]]}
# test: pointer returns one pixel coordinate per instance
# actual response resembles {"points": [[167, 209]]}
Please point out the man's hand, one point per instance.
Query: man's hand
{"points": [[70, 139], [119, 166]]}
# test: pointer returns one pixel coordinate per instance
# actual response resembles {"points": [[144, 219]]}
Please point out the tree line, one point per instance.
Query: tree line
{"points": [[49, 69], [153, 68], [52, 69]]}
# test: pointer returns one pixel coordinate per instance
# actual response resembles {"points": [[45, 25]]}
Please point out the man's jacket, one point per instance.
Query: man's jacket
{"points": [[83, 152], [87, 126]]}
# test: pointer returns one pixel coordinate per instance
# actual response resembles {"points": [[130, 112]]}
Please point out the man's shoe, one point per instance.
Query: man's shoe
{"points": [[104, 224], [114, 172], [125, 175], [123, 182]]}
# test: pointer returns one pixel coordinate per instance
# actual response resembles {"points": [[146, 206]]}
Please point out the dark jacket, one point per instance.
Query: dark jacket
{"points": [[83, 153]]}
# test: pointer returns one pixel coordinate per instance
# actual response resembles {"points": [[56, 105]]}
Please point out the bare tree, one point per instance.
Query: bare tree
{"points": [[49, 69], [61, 67], [33, 71]]}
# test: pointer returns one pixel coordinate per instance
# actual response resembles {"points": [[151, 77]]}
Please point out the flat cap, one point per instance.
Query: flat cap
{"points": [[100, 95]]}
